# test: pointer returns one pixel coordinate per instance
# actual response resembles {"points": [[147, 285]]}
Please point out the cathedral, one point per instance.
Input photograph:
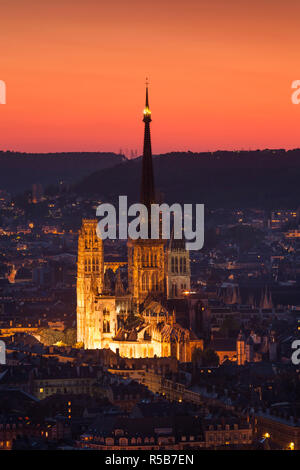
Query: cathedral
{"points": [[150, 316]]}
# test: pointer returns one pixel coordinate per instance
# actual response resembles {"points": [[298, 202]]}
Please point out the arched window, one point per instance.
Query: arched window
{"points": [[106, 326], [145, 284], [176, 264], [172, 264], [181, 265], [154, 282], [174, 290], [184, 265], [123, 441]]}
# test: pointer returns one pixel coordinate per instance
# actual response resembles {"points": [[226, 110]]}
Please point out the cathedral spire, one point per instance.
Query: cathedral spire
{"points": [[147, 184]]}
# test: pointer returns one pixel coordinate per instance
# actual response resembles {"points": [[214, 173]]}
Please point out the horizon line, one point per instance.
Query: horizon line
{"points": [[273, 149]]}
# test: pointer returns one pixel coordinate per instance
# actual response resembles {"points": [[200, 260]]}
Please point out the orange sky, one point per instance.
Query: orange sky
{"points": [[220, 73]]}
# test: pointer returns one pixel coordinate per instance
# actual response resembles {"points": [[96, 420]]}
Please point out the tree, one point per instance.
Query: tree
{"points": [[211, 358], [206, 358]]}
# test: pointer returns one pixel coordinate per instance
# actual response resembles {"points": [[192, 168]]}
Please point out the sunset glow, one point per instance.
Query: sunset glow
{"points": [[220, 74]]}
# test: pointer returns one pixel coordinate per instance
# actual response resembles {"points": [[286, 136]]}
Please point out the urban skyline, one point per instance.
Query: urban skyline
{"points": [[158, 345]]}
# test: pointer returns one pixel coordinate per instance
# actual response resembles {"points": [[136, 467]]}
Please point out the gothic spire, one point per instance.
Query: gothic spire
{"points": [[147, 184]]}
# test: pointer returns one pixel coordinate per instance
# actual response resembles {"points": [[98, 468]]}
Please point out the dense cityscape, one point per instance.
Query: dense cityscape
{"points": [[154, 348], [149, 232]]}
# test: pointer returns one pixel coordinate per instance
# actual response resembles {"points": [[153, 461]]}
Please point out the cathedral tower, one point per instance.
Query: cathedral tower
{"points": [[90, 271], [146, 258], [178, 268]]}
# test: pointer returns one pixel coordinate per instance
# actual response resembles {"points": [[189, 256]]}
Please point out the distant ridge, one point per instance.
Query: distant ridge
{"points": [[9, 153], [19, 170], [261, 178]]}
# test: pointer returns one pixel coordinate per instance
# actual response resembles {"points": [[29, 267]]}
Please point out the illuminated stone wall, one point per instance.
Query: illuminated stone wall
{"points": [[90, 267]]}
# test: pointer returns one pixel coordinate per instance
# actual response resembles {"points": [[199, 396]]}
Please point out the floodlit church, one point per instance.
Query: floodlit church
{"points": [[150, 317]]}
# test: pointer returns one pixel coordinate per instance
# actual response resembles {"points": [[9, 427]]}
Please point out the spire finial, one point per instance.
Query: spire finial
{"points": [[147, 112]]}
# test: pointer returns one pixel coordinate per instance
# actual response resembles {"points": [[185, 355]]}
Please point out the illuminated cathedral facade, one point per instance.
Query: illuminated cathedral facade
{"points": [[139, 319]]}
